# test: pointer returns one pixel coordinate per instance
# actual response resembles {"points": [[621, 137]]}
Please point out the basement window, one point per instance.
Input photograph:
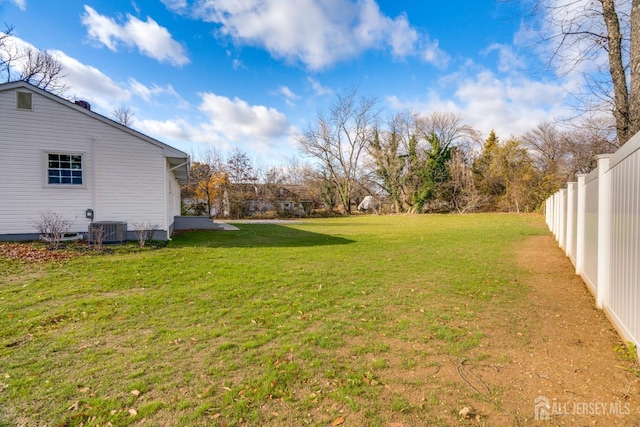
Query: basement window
{"points": [[24, 101], [64, 169]]}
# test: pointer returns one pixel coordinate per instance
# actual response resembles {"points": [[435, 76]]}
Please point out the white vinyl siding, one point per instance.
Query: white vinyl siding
{"points": [[124, 177]]}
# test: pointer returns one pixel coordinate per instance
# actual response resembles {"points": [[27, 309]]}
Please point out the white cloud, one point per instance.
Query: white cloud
{"points": [[510, 106], [176, 130], [85, 82], [228, 124], [237, 64], [225, 122], [288, 94], [432, 54], [316, 33], [175, 5], [508, 59], [22, 4], [150, 38], [318, 88], [90, 84], [236, 120], [150, 94], [104, 94]]}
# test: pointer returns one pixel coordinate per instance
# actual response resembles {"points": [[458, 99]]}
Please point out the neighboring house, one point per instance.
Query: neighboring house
{"points": [[56, 155], [262, 198]]}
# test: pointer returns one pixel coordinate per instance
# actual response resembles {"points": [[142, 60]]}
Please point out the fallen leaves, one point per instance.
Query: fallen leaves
{"points": [[30, 252]]}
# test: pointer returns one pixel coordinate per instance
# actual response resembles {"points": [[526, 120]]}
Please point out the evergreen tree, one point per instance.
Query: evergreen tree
{"points": [[430, 171], [486, 172]]}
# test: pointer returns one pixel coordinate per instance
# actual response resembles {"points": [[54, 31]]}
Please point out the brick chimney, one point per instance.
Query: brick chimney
{"points": [[84, 104]]}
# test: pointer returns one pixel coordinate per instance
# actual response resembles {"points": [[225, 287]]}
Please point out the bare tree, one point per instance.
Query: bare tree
{"points": [[584, 143], [387, 160], [242, 182], [208, 182], [449, 129], [241, 170], [35, 66], [561, 154], [271, 189], [460, 189], [601, 39], [549, 150], [42, 69], [8, 53], [338, 138], [124, 115], [306, 181]]}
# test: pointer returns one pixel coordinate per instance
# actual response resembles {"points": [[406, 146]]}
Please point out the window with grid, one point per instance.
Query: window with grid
{"points": [[64, 169]]}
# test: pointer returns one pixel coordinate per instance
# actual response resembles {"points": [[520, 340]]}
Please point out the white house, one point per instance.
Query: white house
{"points": [[59, 156]]}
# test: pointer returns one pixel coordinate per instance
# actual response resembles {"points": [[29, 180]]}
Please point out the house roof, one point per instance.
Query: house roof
{"points": [[178, 160]]}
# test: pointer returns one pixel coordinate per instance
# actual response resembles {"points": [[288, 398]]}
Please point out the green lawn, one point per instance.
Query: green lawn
{"points": [[304, 324]]}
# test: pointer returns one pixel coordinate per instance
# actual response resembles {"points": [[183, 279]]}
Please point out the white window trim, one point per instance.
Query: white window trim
{"points": [[45, 169]]}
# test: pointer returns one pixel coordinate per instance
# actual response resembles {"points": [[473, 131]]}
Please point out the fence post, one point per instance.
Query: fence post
{"points": [[546, 211], [562, 214], [582, 194], [556, 213], [604, 230], [571, 250]]}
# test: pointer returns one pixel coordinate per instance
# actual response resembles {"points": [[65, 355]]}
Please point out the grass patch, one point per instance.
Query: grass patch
{"points": [[271, 324]]}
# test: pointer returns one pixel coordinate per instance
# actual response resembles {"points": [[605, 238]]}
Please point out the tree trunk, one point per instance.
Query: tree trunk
{"points": [[616, 68], [634, 60]]}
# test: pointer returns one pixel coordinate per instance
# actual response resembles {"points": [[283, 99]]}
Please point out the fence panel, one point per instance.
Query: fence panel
{"points": [[572, 220], [590, 267], [624, 294], [597, 223]]}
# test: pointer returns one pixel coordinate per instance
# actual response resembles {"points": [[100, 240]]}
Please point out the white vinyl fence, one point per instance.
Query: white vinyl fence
{"points": [[596, 221]]}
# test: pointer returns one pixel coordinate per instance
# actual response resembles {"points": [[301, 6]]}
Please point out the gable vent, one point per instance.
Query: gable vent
{"points": [[24, 101]]}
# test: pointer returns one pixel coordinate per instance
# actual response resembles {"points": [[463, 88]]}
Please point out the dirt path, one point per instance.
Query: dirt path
{"points": [[554, 351], [567, 357]]}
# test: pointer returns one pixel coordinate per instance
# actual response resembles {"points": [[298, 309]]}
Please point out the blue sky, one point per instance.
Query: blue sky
{"points": [[250, 74]]}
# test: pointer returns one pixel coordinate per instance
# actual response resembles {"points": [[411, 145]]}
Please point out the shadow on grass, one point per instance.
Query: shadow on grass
{"points": [[256, 235]]}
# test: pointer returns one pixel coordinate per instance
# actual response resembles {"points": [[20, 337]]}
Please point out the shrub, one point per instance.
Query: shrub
{"points": [[52, 227]]}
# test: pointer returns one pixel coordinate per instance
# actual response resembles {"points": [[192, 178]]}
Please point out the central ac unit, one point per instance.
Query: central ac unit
{"points": [[108, 232]]}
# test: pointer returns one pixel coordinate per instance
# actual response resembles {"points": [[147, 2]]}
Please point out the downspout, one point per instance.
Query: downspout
{"points": [[94, 166], [166, 197], [167, 177]]}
